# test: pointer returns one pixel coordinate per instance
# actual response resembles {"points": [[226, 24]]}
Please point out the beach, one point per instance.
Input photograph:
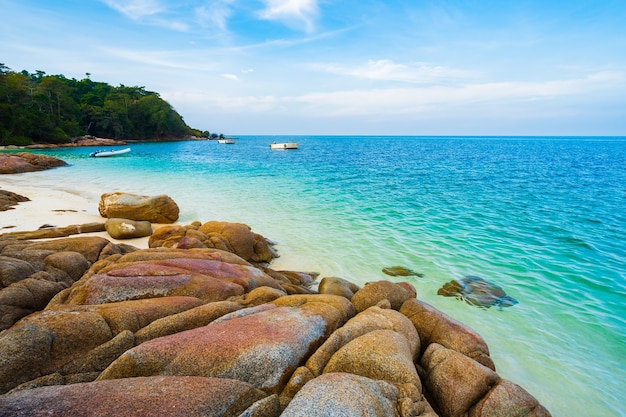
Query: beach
{"points": [[539, 217], [53, 208]]}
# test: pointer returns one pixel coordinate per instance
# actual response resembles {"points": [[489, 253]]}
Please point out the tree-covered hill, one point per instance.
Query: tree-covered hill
{"points": [[40, 108]]}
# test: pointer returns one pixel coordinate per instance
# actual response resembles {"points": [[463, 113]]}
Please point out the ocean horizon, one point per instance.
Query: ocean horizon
{"points": [[541, 217]]}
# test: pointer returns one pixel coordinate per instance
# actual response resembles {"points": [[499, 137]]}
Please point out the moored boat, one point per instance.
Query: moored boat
{"points": [[227, 141], [112, 152], [284, 145]]}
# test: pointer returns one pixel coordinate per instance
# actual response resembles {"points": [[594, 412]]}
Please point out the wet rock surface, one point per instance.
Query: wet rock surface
{"points": [[203, 331]]}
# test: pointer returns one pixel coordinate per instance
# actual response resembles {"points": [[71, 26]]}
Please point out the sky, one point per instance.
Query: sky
{"points": [[343, 67]]}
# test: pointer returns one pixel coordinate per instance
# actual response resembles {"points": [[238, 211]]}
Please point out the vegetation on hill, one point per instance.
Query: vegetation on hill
{"points": [[44, 108]]}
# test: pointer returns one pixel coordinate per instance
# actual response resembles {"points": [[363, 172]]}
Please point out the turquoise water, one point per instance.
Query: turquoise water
{"points": [[543, 218]]}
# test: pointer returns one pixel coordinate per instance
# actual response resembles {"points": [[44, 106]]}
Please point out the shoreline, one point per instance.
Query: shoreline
{"points": [[57, 208]]}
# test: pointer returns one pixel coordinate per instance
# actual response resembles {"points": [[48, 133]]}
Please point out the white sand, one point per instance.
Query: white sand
{"points": [[53, 207]]}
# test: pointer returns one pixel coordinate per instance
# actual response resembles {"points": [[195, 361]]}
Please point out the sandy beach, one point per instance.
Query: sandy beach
{"points": [[55, 208]]}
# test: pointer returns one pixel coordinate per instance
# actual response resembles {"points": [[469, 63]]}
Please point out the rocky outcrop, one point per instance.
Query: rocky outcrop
{"points": [[54, 232], [86, 140], [154, 209], [32, 273], [9, 199], [16, 163], [231, 237], [202, 331]]}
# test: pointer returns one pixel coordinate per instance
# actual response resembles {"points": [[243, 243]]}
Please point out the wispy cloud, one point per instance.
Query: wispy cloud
{"points": [[215, 14], [136, 9], [230, 77], [387, 70], [294, 13]]}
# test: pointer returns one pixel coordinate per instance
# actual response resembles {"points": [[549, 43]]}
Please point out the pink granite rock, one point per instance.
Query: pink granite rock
{"points": [[136, 397]]}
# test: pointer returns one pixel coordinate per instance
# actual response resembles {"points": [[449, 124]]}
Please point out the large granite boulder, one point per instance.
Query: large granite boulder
{"points": [[44, 343], [455, 381], [434, 326], [155, 209], [33, 273], [344, 394], [136, 397], [27, 162], [262, 348], [230, 237]]}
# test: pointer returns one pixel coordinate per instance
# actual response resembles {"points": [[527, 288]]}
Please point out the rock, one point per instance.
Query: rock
{"points": [[55, 232], [9, 199], [166, 236], [374, 292], [27, 162], [338, 286], [43, 343], [381, 355], [186, 320], [455, 381], [508, 399], [262, 349], [127, 229], [157, 209], [401, 271], [136, 397], [478, 292], [343, 394], [435, 326], [239, 239]]}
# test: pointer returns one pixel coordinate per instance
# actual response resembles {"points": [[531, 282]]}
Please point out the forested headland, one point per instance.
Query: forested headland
{"points": [[40, 108]]}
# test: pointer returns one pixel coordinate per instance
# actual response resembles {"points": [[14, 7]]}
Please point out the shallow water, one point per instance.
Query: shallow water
{"points": [[543, 218]]}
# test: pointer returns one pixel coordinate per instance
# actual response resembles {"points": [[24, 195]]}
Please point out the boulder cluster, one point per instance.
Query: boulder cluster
{"points": [[15, 163], [199, 324]]}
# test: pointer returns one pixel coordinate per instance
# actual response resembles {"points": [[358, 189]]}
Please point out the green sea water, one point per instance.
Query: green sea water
{"points": [[543, 217]]}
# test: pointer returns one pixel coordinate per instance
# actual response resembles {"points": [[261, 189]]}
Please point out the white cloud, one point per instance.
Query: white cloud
{"points": [[215, 14], [386, 70], [135, 9], [230, 76], [294, 13]]}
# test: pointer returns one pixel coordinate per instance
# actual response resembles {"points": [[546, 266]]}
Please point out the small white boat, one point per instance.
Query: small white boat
{"points": [[227, 141], [284, 145], [112, 152]]}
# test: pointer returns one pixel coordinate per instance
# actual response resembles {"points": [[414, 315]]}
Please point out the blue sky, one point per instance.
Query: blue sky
{"points": [[365, 67]]}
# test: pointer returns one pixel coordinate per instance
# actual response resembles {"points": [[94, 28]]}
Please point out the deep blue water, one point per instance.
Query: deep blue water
{"points": [[543, 218]]}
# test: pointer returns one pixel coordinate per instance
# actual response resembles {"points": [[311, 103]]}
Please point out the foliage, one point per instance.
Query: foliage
{"points": [[52, 109]]}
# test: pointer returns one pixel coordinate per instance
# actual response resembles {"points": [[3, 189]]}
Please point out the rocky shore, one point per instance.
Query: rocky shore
{"points": [[200, 324]]}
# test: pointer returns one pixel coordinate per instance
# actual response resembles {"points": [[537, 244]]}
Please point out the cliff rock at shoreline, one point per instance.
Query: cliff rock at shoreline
{"points": [[202, 331]]}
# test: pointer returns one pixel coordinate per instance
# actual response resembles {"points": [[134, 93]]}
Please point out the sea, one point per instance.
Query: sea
{"points": [[543, 218]]}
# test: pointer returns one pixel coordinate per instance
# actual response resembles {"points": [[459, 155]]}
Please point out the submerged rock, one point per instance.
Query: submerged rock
{"points": [[478, 292], [401, 271]]}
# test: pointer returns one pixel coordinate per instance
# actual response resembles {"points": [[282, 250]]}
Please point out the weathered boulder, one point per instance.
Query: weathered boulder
{"points": [[239, 239], [32, 274], [55, 232], [508, 399], [344, 394], [45, 342], [208, 279], [380, 354], [27, 162], [372, 319], [434, 326], [136, 397], [338, 286], [375, 292], [155, 209], [455, 381], [127, 229], [262, 348]]}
